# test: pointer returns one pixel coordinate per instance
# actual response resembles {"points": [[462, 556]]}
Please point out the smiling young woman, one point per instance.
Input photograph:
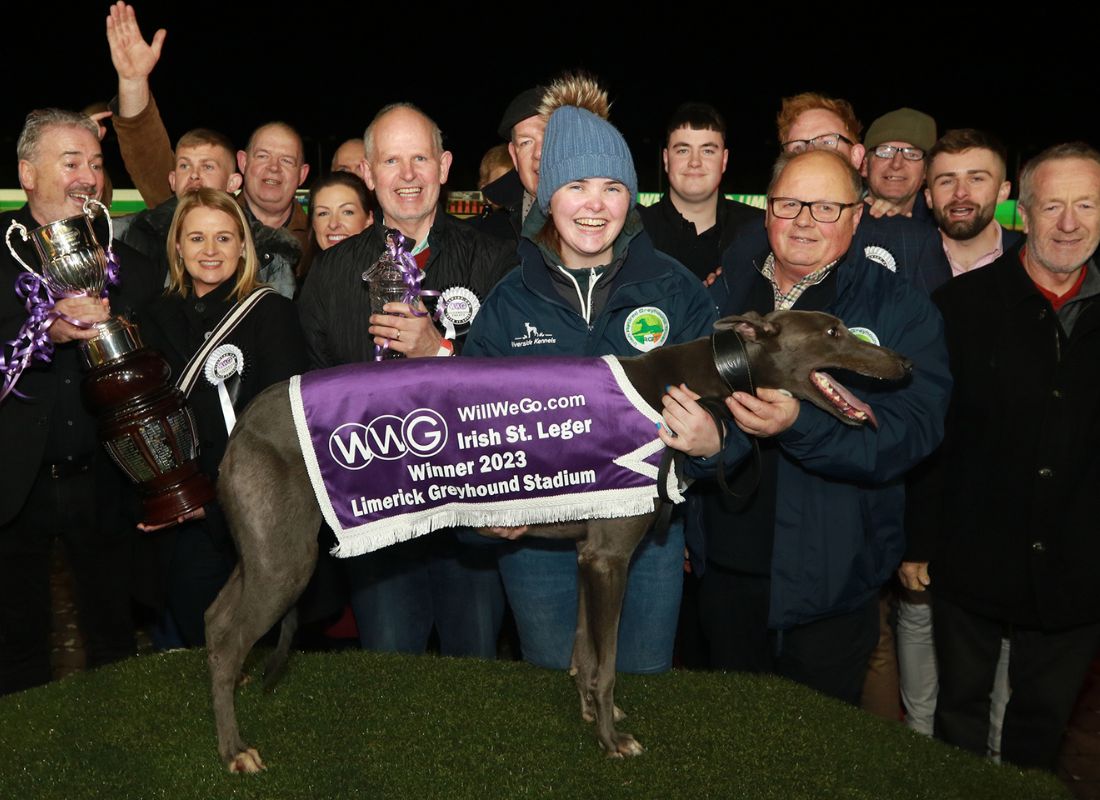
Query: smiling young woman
{"points": [[212, 272], [590, 283]]}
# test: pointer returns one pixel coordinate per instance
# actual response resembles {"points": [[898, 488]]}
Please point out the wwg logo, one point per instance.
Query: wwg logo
{"points": [[422, 432]]}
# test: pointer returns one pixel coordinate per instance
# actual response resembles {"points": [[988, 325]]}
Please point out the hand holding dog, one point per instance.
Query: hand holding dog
{"points": [[768, 413], [410, 335], [687, 427]]}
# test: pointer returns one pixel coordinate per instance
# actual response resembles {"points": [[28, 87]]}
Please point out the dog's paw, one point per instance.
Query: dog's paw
{"points": [[624, 745], [619, 715], [247, 761]]}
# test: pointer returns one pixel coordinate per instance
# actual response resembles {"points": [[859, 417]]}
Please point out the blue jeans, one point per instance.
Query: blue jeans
{"points": [[540, 578], [400, 592]]}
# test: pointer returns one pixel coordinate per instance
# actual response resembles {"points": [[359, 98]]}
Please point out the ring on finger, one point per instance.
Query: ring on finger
{"points": [[397, 335]]}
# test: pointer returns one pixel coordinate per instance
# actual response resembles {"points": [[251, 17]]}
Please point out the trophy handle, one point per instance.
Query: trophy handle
{"points": [[90, 205], [18, 226]]}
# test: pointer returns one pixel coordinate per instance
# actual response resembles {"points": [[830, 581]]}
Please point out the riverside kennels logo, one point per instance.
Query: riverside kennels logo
{"points": [[422, 432], [532, 335]]}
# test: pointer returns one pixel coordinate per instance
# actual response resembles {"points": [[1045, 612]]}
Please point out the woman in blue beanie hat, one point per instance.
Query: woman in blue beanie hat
{"points": [[590, 283]]}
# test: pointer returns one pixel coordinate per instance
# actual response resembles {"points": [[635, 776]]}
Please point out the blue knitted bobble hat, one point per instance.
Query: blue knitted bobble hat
{"points": [[579, 144]]}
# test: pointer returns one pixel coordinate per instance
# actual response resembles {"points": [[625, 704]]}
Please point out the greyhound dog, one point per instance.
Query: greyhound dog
{"points": [[276, 532]]}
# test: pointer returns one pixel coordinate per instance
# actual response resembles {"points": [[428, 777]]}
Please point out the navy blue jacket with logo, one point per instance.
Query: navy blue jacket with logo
{"points": [[840, 494], [525, 315], [912, 248]]}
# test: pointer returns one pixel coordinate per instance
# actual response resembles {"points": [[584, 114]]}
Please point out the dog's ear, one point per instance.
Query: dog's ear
{"points": [[750, 326]]}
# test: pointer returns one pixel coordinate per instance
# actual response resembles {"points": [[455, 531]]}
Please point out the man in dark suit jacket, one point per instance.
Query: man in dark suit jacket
{"points": [[57, 480], [1003, 521]]}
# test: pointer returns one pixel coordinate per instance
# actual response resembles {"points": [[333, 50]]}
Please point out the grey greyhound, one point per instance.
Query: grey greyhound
{"points": [[276, 532]]}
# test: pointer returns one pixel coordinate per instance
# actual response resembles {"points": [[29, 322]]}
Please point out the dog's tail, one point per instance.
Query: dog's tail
{"points": [[276, 662]]}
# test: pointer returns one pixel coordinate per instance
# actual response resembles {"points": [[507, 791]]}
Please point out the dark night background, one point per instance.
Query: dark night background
{"points": [[327, 67]]}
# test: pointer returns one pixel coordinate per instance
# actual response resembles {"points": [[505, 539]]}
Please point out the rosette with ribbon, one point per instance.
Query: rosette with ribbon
{"points": [[226, 364]]}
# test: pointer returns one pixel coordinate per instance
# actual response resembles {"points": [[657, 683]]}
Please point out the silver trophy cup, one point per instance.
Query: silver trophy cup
{"points": [[72, 261], [74, 264], [144, 421]]}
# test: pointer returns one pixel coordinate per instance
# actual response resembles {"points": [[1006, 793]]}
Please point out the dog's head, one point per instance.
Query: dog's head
{"points": [[791, 349]]}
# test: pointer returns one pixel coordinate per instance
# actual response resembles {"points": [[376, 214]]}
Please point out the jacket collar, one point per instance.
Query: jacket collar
{"points": [[673, 217], [538, 265], [442, 227], [1016, 286]]}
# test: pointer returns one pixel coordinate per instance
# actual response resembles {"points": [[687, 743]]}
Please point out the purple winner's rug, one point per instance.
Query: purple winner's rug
{"points": [[401, 448]]}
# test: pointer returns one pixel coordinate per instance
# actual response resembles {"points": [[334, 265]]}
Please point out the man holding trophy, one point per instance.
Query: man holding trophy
{"points": [[57, 479]]}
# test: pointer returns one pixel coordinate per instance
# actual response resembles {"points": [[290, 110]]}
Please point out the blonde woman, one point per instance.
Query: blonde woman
{"points": [[213, 272]]}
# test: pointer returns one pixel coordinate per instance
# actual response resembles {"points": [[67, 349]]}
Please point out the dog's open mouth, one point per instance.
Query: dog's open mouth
{"points": [[849, 406]]}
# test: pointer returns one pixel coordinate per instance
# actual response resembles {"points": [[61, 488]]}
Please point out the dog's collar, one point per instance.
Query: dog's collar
{"points": [[732, 361]]}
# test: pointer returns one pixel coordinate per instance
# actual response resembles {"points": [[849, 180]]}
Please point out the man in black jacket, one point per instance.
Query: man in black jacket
{"points": [[58, 481], [401, 592], [406, 166], [1006, 514], [694, 223]]}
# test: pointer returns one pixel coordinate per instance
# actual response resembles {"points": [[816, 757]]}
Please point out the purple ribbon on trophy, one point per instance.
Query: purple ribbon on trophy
{"points": [[395, 277], [73, 265]]}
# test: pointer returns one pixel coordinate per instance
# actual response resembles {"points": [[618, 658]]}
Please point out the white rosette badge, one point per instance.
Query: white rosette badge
{"points": [[458, 306], [225, 364]]}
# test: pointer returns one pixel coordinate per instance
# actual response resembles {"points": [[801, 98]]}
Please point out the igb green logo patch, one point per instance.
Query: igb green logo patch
{"points": [[646, 328], [866, 334]]}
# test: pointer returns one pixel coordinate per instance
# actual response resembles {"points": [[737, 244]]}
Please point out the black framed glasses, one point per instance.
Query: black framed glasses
{"points": [[820, 210], [826, 141], [908, 153]]}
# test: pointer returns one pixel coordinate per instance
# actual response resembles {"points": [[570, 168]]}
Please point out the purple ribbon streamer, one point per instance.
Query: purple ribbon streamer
{"points": [[112, 269], [412, 275], [33, 342]]}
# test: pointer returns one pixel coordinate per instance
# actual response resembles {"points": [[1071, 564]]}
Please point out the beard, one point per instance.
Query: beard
{"points": [[964, 229]]}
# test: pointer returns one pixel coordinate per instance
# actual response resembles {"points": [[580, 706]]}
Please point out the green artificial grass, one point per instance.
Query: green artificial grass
{"points": [[354, 724]]}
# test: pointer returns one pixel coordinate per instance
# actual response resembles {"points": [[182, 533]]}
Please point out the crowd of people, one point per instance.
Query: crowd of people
{"points": [[937, 565]]}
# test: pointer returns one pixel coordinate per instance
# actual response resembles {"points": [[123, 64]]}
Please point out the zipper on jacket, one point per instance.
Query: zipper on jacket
{"points": [[586, 307]]}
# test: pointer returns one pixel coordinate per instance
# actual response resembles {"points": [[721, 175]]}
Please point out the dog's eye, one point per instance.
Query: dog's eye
{"points": [[833, 332]]}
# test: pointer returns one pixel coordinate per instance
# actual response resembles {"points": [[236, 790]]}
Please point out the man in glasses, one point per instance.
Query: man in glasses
{"points": [[894, 164], [812, 121], [912, 248], [791, 572]]}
